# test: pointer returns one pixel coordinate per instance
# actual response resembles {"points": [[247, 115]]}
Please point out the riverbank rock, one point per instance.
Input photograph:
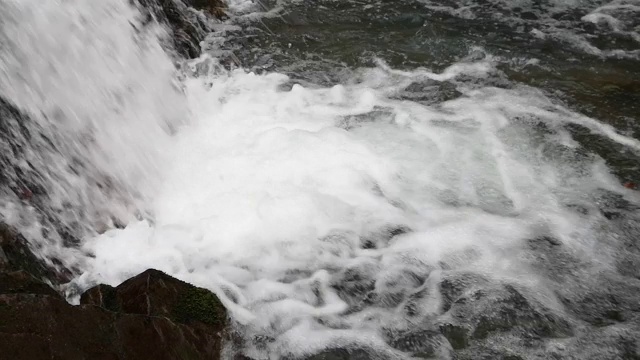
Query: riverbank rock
{"points": [[151, 316]]}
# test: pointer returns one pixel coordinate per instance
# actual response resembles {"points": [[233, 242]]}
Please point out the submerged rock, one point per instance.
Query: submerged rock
{"points": [[342, 354], [151, 316], [484, 316]]}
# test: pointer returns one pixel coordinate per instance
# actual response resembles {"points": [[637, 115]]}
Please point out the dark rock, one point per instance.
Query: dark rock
{"points": [[455, 284], [422, 344], [155, 293], [341, 354], [211, 6], [478, 309], [457, 335], [131, 321], [102, 295], [25, 180], [186, 24], [609, 301], [356, 286], [382, 237], [15, 255], [528, 15], [406, 20], [21, 282], [430, 92], [513, 310]]}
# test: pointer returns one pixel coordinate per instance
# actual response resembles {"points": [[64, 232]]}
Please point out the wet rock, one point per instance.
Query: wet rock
{"points": [[130, 321], [356, 286], [453, 286], [556, 261], [382, 237], [422, 344], [21, 282], [608, 301], [342, 354], [611, 342], [478, 311], [528, 15], [457, 335], [215, 8], [513, 310], [15, 255], [431, 92], [408, 21], [155, 293], [187, 25]]}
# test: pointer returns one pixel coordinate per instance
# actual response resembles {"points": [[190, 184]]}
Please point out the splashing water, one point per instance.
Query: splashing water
{"points": [[283, 198], [102, 101]]}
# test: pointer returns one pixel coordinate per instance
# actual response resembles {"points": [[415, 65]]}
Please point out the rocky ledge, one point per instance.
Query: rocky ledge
{"points": [[150, 316]]}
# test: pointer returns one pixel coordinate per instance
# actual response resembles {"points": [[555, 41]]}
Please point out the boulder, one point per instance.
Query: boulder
{"points": [[151, 316], [154, 293]]}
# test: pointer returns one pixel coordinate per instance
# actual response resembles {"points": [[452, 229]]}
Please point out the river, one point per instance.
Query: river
{"points": [[392, 179]]}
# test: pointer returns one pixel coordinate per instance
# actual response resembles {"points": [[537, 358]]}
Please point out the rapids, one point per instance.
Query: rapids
{"points": [[324, 188]]}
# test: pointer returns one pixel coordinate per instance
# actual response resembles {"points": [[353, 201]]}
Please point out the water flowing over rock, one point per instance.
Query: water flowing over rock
{"points": [[376, 179], [187, 25]]}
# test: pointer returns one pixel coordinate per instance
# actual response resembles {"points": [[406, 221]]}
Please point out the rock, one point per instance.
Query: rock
{"points": [[21, 282], [155, 293], [480, 312], [528, 15], [430, 92], [454, 285], [208, 5], [341, 354], [611, 300], [131, 321], [24, 182], [188, 26], [15, 255], [423, 344], [457, 335]]}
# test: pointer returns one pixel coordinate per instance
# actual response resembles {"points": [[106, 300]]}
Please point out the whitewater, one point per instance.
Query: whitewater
{"points": [[323, 215]]}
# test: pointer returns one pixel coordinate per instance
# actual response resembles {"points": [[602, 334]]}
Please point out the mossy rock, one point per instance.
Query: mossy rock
{"points": [[198, 304], [154, 293]]}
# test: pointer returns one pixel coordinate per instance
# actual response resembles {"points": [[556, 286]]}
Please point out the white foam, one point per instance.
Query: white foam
{"points": [[266, 185], [265, 195]]}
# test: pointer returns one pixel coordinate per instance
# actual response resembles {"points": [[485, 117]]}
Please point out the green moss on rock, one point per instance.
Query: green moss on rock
{"points": [[198, 304]]}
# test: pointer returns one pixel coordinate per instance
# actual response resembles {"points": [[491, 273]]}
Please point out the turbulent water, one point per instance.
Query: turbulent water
{"points": [[327, 167]]}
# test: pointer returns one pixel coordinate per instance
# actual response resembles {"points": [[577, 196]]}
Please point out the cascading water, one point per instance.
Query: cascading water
{"points": [[102, 101], [324, 215]]}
